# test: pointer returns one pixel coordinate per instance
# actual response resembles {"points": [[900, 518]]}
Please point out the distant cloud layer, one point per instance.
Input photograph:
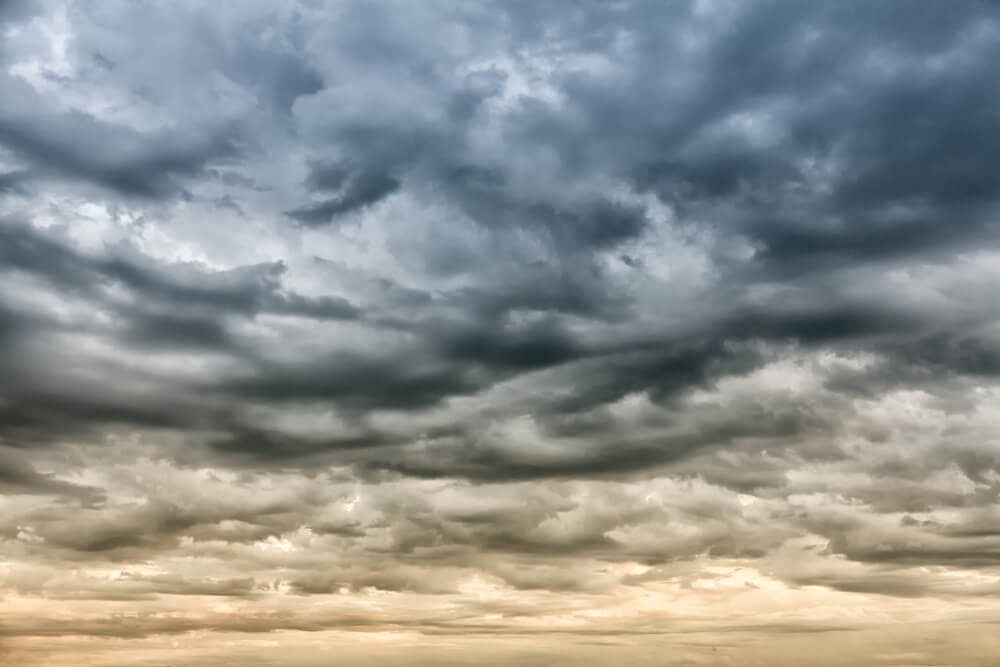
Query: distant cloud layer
{"points": [[554, 333]]}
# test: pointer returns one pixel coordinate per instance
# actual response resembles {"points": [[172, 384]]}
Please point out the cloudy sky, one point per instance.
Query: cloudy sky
{"points": [[499, 333]]}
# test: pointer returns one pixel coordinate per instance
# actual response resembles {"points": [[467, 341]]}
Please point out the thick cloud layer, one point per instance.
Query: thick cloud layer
{"points": [[563, 331]]}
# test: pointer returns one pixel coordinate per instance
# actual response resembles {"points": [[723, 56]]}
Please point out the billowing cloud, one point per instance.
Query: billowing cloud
{"points": [[571, 334]]}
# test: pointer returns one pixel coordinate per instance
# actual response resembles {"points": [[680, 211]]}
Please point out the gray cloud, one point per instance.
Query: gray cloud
{"points": [[361, 189], [18, 476], [114, 158], [499, 321]]}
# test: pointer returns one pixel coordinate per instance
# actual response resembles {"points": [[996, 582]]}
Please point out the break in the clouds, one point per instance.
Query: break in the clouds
{"points": [[499, 333]]}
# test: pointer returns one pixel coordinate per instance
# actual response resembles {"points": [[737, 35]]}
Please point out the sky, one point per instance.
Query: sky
{"points": [[521, 333]]}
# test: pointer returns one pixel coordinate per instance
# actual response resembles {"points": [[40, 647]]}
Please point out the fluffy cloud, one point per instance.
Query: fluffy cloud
{"points": [[652, 326]]}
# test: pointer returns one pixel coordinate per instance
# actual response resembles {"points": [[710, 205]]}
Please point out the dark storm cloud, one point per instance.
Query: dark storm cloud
{"points": [[251, 446], [10, 182], [166, 308], [13, 10], [18, 476], [586, 224], [363, 383], [80, 148], [789, 64], [908, 147], [327, 176], [574, 288], [246, 290], [916, 141], [604, 449], [361, 189], [315, 301]]}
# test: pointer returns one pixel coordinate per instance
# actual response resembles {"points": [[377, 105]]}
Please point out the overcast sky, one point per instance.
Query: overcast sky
{"points": [[509, 333]]}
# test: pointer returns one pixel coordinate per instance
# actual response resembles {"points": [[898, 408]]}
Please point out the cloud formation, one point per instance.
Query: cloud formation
{"points": [[579, 333]]}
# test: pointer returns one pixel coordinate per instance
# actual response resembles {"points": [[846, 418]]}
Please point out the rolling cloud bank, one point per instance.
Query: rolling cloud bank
{"points": [[521, 333]]}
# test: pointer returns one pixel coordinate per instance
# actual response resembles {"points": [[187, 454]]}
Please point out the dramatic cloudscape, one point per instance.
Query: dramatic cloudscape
{"points": [[521, 333]]}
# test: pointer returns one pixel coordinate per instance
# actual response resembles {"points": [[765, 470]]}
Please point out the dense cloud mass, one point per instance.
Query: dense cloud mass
{"points": [[522, 333]]}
